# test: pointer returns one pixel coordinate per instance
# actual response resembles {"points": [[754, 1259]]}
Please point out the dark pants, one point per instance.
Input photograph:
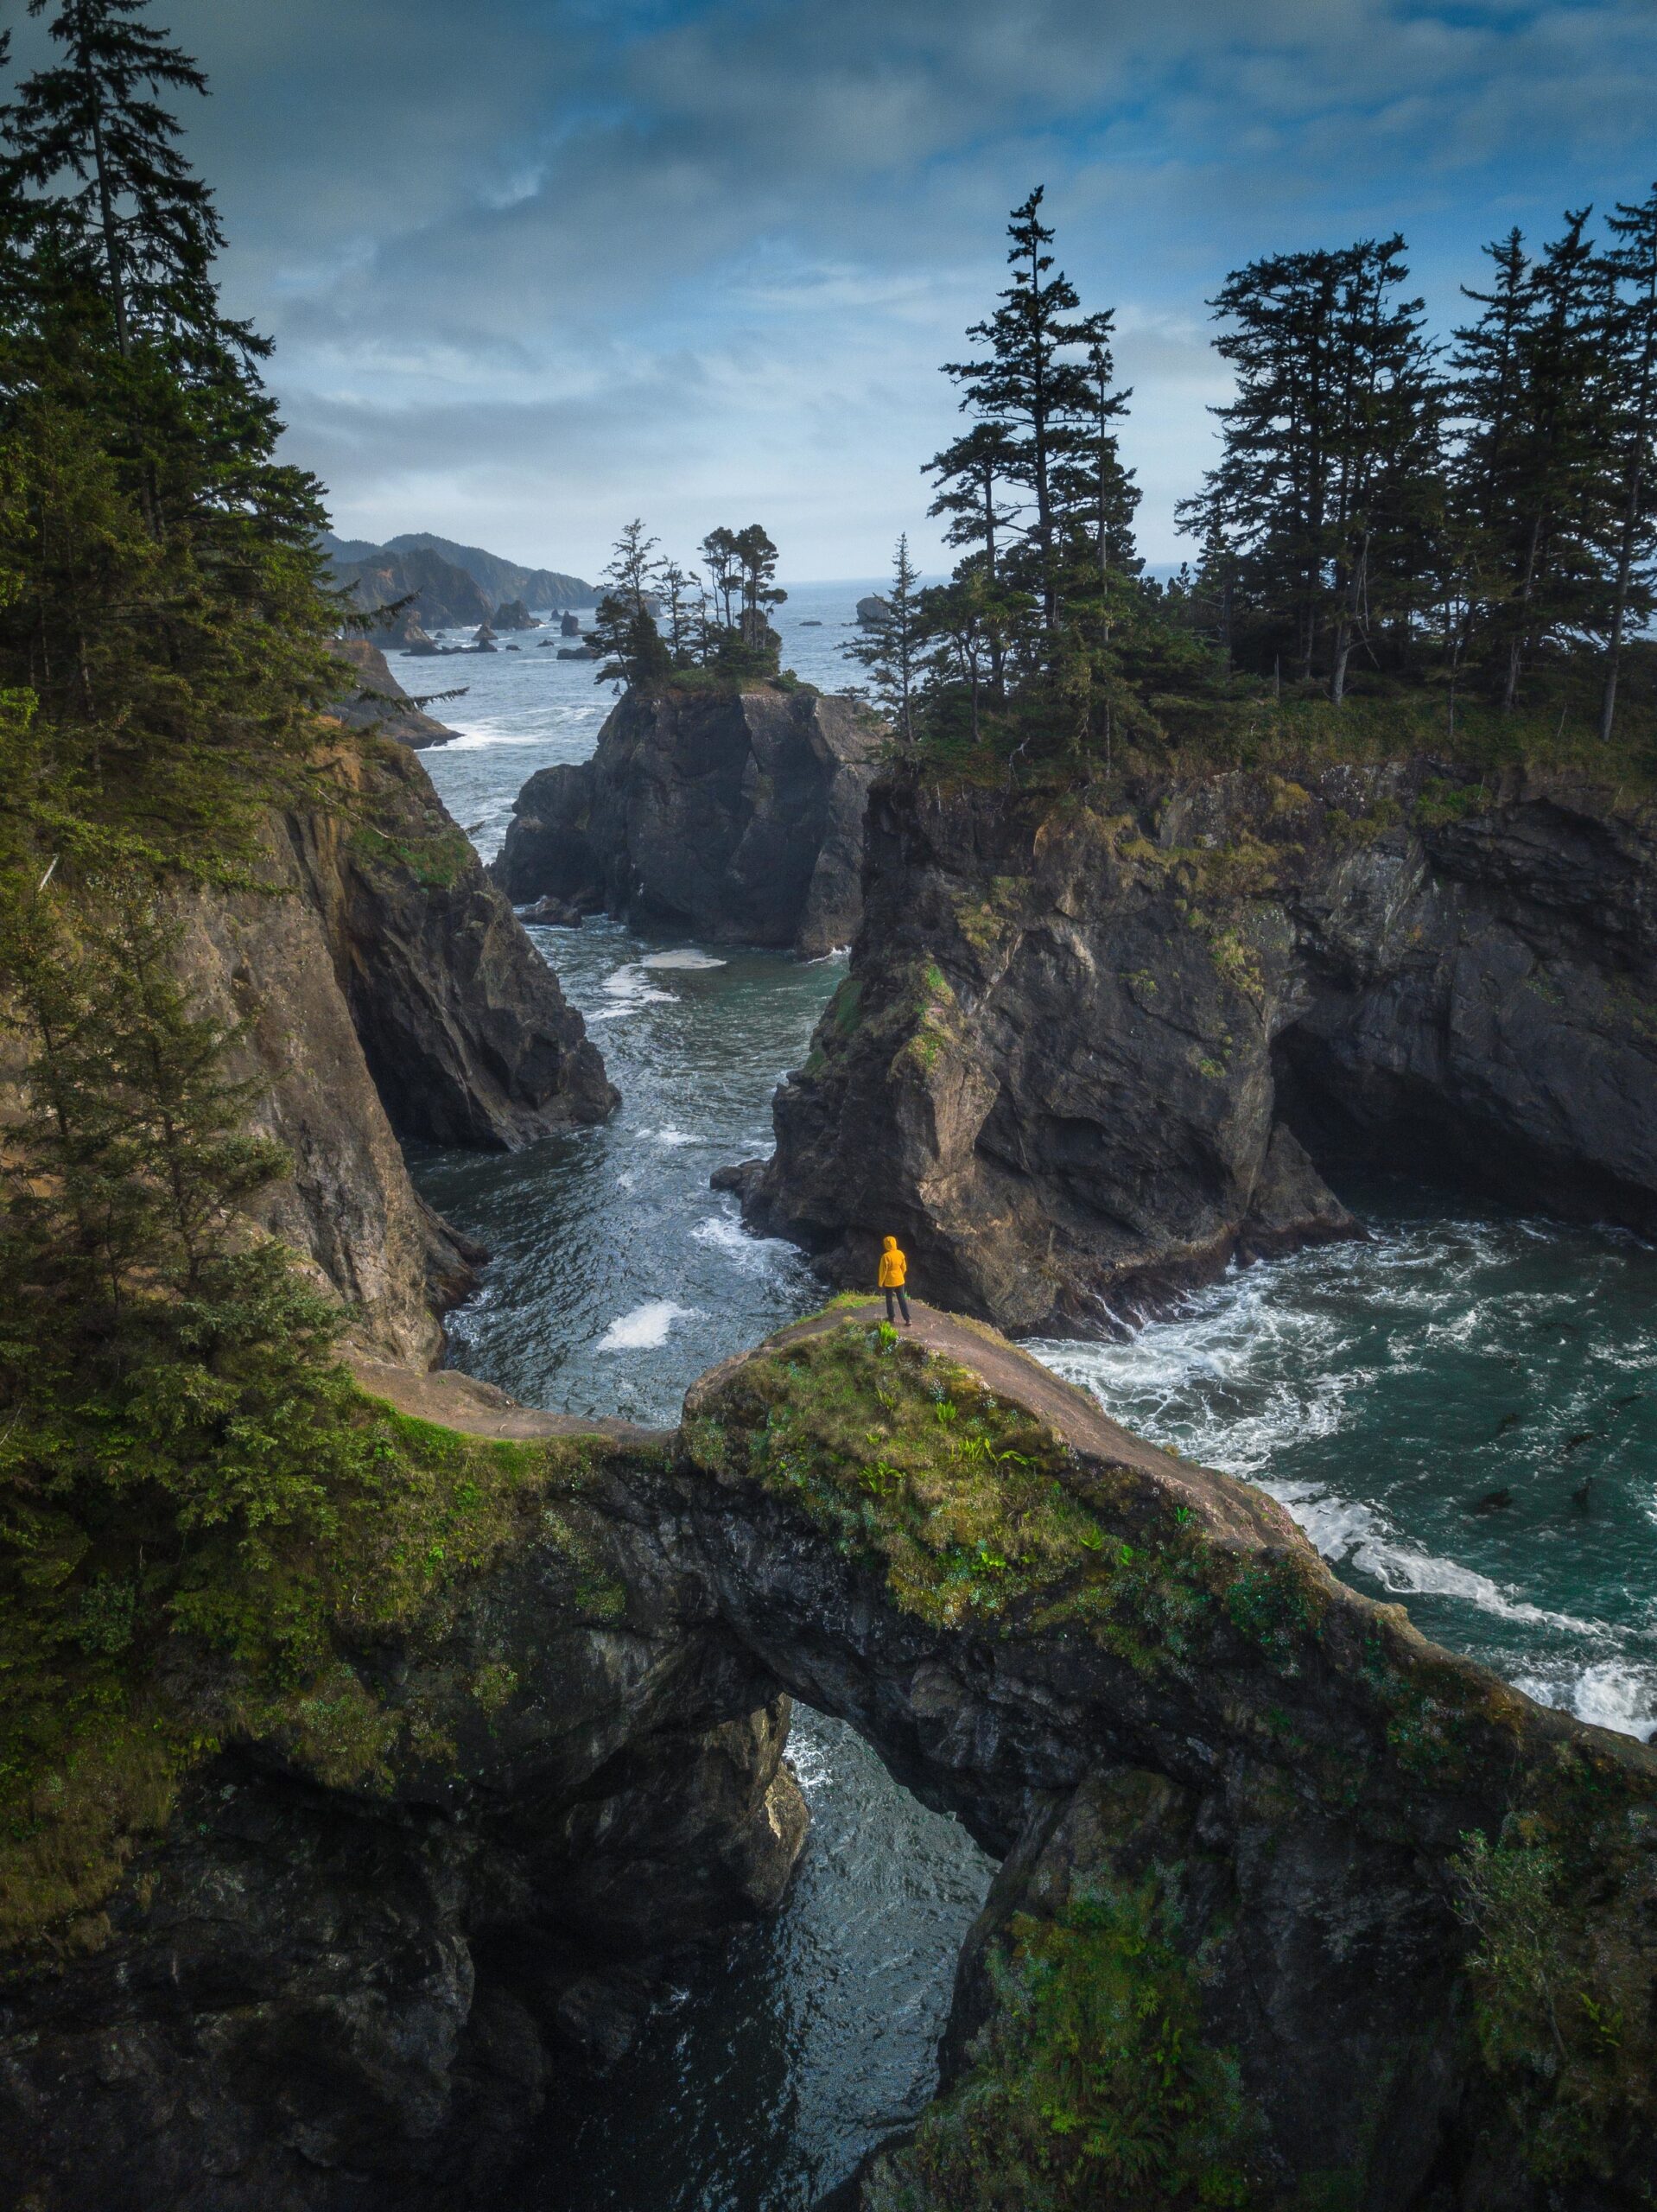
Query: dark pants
{"points": [[892, 1307]]}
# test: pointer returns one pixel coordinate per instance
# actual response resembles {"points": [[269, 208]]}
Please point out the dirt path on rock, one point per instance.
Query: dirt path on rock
{"points": [[1226, 1507], [452, 1400]]}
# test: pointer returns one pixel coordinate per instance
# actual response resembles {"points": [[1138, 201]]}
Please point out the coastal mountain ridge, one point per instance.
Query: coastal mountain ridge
{"points": [[497, 578]]}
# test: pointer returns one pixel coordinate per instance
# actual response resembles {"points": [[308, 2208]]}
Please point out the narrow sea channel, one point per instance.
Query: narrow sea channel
{"points": [[1462, 1412]]}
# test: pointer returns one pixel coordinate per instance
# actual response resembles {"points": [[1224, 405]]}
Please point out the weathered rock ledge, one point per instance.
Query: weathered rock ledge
{"points": [[736, 815], [1082, 1058], [1235, 1801]]}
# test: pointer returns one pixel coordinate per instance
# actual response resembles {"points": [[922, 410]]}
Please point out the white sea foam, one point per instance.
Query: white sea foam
{"points": [[1610, 1694], [670, 1137], [758, 1255], [645, 1329], [629, 989], [688, 956]]}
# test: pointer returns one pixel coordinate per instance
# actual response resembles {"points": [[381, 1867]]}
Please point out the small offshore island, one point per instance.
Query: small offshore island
{"points": [[381, 1754]]}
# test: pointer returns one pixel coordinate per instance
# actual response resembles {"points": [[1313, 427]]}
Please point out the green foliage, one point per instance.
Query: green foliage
{"points": [[1562, 2001], [1092, 2083]]}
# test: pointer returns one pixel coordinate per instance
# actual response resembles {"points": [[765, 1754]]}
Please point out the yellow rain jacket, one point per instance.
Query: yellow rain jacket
{"points": [[894, 1267]]}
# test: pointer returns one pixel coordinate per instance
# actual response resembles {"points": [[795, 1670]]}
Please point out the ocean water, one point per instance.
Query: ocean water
{"points": [[1461, 1411]]}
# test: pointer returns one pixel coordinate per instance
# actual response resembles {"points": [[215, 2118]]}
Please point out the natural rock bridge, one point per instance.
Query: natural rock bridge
{"points": [[1296, 1910]]}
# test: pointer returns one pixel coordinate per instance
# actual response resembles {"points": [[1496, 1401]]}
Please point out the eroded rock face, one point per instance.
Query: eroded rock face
{"points": [[315, 1996], [389, 991], [379, 702], [1233, 1798], [466, 1030], [736, 815], [1081, 1059]]}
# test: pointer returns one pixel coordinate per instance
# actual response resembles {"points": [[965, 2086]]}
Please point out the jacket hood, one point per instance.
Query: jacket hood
{"points": [[890, 1244]]}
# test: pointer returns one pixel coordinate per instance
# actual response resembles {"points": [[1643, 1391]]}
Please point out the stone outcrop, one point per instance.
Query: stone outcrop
{"points": [[1339, 1918], [316, 1995], [443, 596], [466, 1032], [378, 701], [513, 615], [1084, 1057], [734, 815], [389, 991]]}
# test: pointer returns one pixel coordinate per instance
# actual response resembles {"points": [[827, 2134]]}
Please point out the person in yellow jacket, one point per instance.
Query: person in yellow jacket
{"points": [[894, 1272]]}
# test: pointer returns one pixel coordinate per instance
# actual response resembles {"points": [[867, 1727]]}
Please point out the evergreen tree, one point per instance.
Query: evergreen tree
{"points": [[173, 631], [724, 566], [756, 557], [1630, 268], [1531, 489], [625, 625], [893, 647], [93, 117], [969, 474], [1033, 382], [1331, 452]]}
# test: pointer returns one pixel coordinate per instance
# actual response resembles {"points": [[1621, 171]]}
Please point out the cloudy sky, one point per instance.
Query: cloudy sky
{"points": [[534, 266]]}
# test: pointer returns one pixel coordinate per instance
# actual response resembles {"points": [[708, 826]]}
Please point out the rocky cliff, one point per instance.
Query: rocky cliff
{"points": [[1296, 1910], [734, 815], [378, 701], [1086, 1053], [389, 991], [380, 1937]]}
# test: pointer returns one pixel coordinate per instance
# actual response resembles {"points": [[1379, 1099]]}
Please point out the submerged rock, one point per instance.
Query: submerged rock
{"points": [[1082, 1058], [552, 914], [737, 815]]}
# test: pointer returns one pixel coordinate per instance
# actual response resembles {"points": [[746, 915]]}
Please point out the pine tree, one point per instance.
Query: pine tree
{"points": [[1535, 402], [173, 628], [93, 116], [1032, 385], [756, 559], [1330, 449], [625, 625], [970, 473], [1630, 268], [893, 648]]}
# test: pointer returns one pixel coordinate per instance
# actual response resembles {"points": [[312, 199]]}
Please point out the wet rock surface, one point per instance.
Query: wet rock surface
{"points": [[735, 815], [1082, 1058], [466, 1032]]}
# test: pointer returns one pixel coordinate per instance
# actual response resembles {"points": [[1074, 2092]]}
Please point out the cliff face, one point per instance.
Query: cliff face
{"points": [[390, 992], [1081, 1058], [379, 702], [1296, 1910], [737, 816], [317, 1993]]}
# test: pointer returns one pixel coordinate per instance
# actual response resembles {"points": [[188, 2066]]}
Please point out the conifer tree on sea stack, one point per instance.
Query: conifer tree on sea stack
{"points": [[1536, 402]]}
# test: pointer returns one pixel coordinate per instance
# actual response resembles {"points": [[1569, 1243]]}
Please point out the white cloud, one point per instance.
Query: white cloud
{"points": [[537, 265]]}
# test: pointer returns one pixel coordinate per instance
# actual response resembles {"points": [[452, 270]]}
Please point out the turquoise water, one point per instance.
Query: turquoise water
{"points": [[1461, 1411]]}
